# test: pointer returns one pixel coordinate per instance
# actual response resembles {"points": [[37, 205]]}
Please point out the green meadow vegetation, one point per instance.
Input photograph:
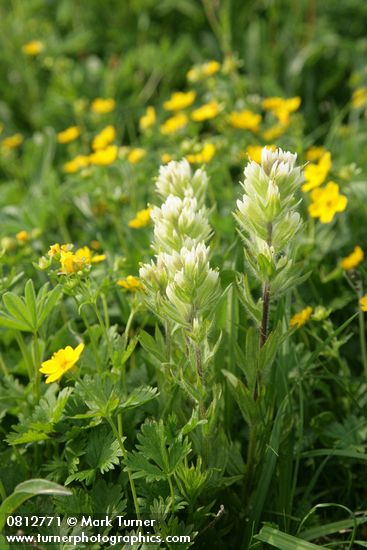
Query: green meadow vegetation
{"points": [[183, 284]]}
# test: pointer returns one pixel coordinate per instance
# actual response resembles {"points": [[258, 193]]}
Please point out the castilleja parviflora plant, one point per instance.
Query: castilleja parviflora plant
{"points": [[269, 222], [181, 287]]}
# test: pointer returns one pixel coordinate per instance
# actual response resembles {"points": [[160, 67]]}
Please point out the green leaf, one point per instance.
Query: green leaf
{"points": [[18, 310], [45, 306], [26, 490], [103, 450], [245, 296], [9, 322], [30, 301], [242, 396], [269, 350], [40, 423], [282, 541], [139, 397], [161, 449], [153, 347]]}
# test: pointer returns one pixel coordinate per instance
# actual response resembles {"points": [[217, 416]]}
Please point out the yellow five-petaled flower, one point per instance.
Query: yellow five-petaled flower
{"points": [[353, 260], [131, 283], [327, 202], [61, 361], [301, 317]]}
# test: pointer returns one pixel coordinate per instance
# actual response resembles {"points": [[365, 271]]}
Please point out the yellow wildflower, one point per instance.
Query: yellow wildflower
{"points": [[102, 106], [281, 107], [353, 260], [316, 174], [104, 138], [22, 236], [12, 141], [131, 283], [206, 111], [141, 219], [210, 67], [165, 158], [136, 155], [245, 120], [76, 164], [272, 103], [327, 202], [315, 153], [148, 120], [54, 249], [363, 303], [85, 255], [32, 48], [205, 155], [104, 157], [68, 262], [171, 125], [179, 100], [72, 262], [61, 361], [359, 98], [274, 132], [301, 317], [70, 134], [201, 71]]}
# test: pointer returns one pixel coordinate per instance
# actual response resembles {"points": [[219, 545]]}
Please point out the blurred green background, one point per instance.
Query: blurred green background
{"points": [[137, 50]]}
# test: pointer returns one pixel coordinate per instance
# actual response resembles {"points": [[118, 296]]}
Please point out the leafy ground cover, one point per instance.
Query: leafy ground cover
{"points": [[182, 271]]}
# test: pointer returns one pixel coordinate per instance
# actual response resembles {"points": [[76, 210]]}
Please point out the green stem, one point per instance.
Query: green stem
{"points": [[92, 340], [128, 326], [105, 332], [124, 454], [37, 364], [105, 311], [26, 357]]}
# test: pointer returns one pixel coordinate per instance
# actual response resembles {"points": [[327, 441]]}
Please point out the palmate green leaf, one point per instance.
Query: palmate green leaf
{"points": [[29, 313], [103, 450], [103, 396], [9, 322], [100, 394], [41, 423], [17, 309], [108, 498], [26, 490], [139, 397], [84, 476], [46, 301], [159, 451]]}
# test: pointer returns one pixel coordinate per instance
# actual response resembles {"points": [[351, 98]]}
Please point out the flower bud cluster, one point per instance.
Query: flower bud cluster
{"points": [[180, 284], [267, 215]]}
